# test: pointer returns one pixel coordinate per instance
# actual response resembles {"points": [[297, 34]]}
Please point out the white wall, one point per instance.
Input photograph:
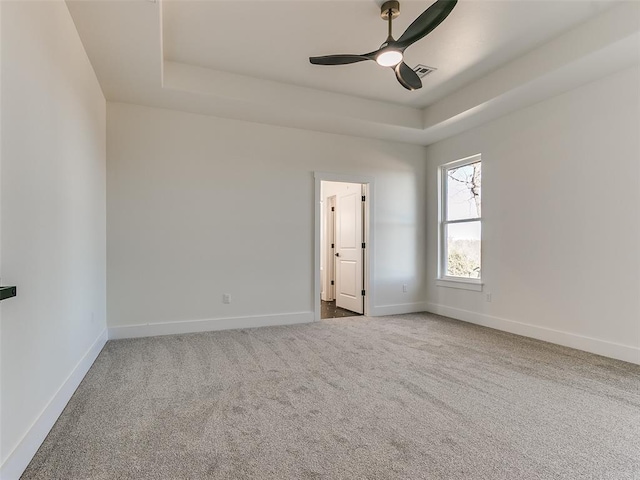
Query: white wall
{"points": [[53, 219], [561, 222], [200, 206]]}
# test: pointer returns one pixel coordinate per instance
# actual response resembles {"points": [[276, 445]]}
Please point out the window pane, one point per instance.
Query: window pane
{"points": [[463, 249], [463, 191]]}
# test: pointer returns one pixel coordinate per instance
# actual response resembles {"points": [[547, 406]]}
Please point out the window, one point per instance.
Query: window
{"points": [[461, 222]]}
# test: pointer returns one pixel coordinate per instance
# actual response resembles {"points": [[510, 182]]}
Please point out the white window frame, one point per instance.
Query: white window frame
{"points": [[443, 279]]}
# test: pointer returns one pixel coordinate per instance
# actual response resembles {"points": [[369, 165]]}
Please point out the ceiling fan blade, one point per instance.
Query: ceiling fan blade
{"points": [[338, 59], [407, 77], [426, 22]]}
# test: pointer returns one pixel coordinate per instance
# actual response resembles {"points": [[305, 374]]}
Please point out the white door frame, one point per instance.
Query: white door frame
{"points": [[369, 188], [329, 252]]}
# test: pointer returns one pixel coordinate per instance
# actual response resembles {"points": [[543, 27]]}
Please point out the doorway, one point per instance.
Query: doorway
{"points": [[343, 235]]}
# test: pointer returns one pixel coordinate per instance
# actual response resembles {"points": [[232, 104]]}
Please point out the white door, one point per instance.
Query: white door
{"points": [[349, 251]]}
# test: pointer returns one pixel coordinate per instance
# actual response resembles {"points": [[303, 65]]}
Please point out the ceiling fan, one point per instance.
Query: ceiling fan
{"points": [[391, 52]]}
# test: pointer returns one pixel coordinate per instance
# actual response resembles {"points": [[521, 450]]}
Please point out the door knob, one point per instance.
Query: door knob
{"points": [[337, 254]]}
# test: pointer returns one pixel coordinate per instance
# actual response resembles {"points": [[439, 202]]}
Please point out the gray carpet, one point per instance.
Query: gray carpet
{"points": [[404, 397]]}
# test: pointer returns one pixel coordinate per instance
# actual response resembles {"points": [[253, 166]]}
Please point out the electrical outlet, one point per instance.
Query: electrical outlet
{"points": [[226, 298], [487, 297], [405, 288]]}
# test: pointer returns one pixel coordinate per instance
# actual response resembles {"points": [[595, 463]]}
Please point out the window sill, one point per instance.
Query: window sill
{"points": [[461, 283]]}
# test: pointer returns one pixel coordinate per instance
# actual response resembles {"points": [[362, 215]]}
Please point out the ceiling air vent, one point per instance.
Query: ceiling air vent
{"points": [[423, 70]]}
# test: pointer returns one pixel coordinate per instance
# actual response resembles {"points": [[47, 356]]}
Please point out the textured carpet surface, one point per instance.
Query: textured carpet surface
{"points": [[404, 397]]}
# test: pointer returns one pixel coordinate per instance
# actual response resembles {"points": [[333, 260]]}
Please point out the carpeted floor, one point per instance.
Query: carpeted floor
{"points": [[405, 397]]}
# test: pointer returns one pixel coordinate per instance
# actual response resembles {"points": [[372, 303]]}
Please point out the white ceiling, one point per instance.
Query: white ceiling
{"points": [[248, 59], [273, 40]]}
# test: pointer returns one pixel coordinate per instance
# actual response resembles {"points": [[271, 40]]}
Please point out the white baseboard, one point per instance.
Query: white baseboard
{"points": [[398, 309], [195, 326], [19, 458], [618, 351]]}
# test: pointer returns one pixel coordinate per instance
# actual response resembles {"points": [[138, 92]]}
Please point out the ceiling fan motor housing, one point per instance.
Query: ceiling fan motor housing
{"points": [[391, 6]]}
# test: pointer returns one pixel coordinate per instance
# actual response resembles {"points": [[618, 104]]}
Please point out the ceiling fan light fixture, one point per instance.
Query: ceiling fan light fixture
{"points": [[389, 58]]}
